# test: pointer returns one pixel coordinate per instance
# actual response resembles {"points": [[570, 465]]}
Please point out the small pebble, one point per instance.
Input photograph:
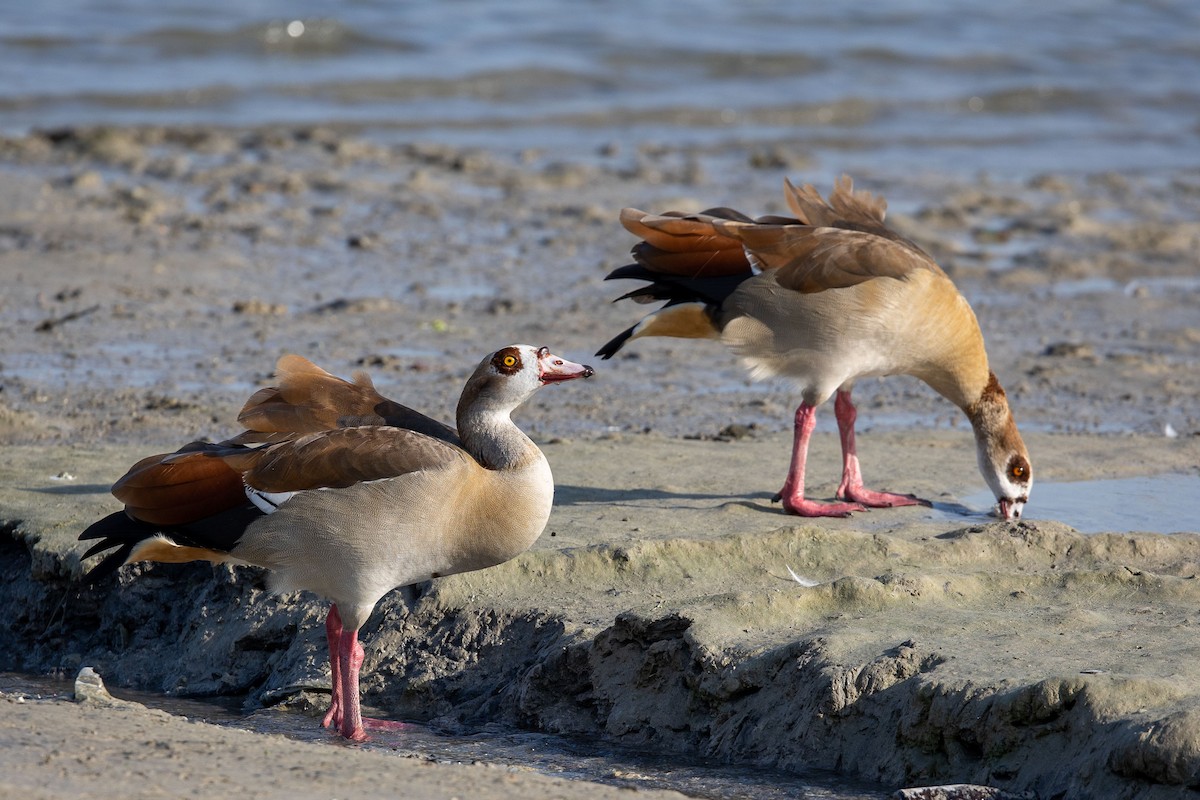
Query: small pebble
{"points": [[89, 687]]}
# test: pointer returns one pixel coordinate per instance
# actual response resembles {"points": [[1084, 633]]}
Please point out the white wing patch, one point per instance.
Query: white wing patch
{"points": [[756, 265], [268, 502]]}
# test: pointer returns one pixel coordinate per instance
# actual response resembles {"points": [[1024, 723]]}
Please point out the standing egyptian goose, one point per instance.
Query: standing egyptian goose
{"points": [[825, 298], [349, 495]]}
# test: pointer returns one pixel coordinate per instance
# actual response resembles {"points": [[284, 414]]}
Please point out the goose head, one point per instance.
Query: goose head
{"points": [[1008, 473], [511, 375], [1003, 458]]}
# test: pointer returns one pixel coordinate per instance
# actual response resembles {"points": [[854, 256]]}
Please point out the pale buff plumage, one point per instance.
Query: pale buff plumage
{"points": [[824, 298], [350, 495]]}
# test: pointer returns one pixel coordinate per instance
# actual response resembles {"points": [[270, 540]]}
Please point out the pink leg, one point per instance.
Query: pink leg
{"points": [[333, 633], [345, 662], [852, 487], [350, 654], [792, 493]]}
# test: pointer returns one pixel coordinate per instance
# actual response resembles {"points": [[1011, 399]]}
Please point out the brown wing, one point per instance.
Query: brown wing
{"points": [[713, 242], [308, 399], [686, 244], [175, 488], [846, 208], [815, 259], [340, 458], [203, 479]]}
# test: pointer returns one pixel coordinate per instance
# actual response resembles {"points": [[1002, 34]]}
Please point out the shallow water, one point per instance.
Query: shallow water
{"points": [[518, 750], [954, 87], [578, 760], [1154, 504]]}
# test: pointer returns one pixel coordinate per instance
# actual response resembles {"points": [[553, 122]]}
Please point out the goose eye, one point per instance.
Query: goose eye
{"points": [[1018, 469], [507, 361]]}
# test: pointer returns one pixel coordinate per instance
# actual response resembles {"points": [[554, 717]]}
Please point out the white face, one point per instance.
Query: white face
{"points": [[516, 367], [1010, 478], [523, 369]]}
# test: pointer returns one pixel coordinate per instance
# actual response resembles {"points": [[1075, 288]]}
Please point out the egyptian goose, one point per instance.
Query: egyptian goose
{"points": [[348, 495], [825, 298]]}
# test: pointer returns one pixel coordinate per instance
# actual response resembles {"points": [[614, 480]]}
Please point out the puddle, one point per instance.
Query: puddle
{"points": [[1155, 504], [516, 750], [1152, 285], [583, 760], [218, 710], [459, 292]]}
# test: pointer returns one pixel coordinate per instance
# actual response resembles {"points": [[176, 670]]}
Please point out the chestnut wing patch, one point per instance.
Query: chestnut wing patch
{"points": [[180, 487], [686, 244]]}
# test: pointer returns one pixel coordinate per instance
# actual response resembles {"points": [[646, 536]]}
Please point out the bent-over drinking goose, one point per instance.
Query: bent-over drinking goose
{"points": [[825, 298]]}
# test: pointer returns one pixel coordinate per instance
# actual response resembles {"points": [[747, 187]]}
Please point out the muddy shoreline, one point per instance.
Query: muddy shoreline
{"points": [[155, 274]]}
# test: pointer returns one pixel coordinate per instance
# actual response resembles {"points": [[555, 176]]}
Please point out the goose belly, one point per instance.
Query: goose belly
{"points": [[818, 364], [824, 339], [358, 543]]}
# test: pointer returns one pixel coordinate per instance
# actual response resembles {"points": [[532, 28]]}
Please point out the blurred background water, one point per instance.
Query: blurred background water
{"points": [[958, 86]]}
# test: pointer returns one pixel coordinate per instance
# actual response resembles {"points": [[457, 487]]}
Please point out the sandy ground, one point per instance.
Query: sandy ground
{"points": [[94, 735], [57, 748], [152, 277]]}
